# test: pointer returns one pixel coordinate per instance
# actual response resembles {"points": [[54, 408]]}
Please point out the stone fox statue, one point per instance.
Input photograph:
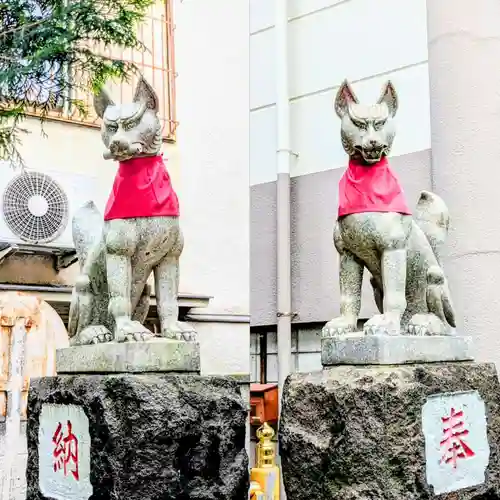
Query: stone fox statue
{"points": [[375, 230], [140, 233]]}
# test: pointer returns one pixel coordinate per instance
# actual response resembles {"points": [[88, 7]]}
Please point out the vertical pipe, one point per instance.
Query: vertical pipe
{"points": [[171, 72], [283, 242], [263, 357], [283, 194]]}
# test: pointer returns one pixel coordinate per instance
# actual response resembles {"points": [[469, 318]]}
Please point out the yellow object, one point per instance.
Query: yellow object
{"points": [[266, 474], [255, 492]]}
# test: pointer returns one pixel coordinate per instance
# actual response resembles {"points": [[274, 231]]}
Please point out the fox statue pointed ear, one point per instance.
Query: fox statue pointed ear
{"points": [[389, 96], [101, 102], [345, 96], [146, 94]]}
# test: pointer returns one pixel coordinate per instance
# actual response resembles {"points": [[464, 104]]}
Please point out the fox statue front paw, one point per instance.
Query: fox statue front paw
{"points": [[128, 330], [178, 330], [383, 324], [93, 334], [339, 326]]}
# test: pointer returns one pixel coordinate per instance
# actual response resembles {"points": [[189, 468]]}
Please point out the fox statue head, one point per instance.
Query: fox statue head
{"points": [[367, 132], [130, 130]]}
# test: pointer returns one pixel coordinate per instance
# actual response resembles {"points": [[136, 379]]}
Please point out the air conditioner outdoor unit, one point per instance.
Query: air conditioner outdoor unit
{"points": [[37, 207]]}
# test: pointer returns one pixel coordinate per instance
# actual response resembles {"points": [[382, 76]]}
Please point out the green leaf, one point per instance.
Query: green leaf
{"points": [[40, 40]]}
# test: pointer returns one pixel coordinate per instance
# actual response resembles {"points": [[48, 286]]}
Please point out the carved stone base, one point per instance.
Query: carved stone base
{"points": [[377, 432], [140, 437], [360, 349], [160, 355]]}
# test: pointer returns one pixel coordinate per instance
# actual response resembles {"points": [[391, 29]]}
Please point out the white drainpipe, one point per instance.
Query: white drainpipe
{"points": [[283, 159], [283, 156]]}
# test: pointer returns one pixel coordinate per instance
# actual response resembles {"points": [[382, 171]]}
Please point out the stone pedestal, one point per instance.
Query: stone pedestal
{"points": [[361, 349], [135, 436], [356, 432], [131, 357]]}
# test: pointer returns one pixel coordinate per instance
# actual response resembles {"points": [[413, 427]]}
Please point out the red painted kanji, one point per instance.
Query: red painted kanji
{"points": [[66, 450], [453, 443]]}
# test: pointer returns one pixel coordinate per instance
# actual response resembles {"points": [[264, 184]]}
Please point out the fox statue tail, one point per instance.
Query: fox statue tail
{"points": [[433, 218], [87, 228], [438, 296]]}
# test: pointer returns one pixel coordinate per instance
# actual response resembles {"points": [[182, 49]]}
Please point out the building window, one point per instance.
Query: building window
{"points": [[306, 352], [156, 64]]}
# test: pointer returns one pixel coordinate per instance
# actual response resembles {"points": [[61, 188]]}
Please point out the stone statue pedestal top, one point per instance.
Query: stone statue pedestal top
{"points": [[360, 349], [157, 355]]}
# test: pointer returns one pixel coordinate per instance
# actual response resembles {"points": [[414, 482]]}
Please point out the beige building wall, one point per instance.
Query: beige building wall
{"points": [[464, 39]]}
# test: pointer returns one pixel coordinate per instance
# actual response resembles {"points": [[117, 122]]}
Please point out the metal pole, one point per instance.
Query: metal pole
{"points": [[283, 157], [283, 154]]}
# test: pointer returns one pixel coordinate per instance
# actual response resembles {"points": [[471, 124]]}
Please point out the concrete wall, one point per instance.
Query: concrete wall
{"points": [[383, 40], [465, 105], [212, 105], [17, 475]]}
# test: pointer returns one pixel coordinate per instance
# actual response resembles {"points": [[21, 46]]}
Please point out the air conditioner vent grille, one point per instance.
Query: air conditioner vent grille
{"points": [[35, 207]]}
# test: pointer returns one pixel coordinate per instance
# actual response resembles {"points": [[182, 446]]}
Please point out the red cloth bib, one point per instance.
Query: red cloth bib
{"points": [[142, 188], [370, 188]]}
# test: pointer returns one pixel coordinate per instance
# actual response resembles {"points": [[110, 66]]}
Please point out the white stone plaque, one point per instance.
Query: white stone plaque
{"points": [[64, 453], [456, 441]]}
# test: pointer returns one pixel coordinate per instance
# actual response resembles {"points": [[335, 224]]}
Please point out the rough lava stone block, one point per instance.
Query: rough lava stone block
{"points": [[355, 433], [153, 436]]}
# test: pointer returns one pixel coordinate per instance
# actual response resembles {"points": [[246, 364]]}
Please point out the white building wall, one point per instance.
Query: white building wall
{"points": [[212, 47], [365, 41]]}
